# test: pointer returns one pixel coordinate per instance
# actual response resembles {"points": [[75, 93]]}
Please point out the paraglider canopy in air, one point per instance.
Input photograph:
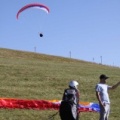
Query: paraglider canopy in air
{"points": [[36, 5]]}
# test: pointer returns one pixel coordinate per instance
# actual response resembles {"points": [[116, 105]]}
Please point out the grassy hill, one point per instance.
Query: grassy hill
{"points": [[28, 75]]}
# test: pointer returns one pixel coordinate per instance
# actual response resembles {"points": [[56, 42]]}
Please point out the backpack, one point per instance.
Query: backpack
{"points": [[68, 107], [70, 96]]}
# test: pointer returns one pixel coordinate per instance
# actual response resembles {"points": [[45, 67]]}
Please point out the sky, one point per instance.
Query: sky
{"points": [[87, 30]]}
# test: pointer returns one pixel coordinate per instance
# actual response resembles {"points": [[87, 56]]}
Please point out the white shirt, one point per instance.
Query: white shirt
{"points": [[103, 89]]}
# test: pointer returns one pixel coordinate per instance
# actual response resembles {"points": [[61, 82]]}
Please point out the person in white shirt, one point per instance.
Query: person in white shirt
{"points": [[103, 96]]}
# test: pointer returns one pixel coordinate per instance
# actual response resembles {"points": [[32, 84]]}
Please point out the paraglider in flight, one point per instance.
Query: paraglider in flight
{"points": [[41, 35], [36, 5]]}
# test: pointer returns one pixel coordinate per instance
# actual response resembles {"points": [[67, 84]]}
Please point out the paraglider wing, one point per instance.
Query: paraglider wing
{"points": [[12, 103], [37, 5]]}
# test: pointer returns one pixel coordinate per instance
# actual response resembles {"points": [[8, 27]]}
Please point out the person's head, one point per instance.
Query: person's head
{"points": [[103, 78], [73, 84]]}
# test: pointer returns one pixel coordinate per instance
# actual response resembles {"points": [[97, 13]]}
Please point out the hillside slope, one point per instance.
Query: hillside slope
{"points": [[37, 76]]}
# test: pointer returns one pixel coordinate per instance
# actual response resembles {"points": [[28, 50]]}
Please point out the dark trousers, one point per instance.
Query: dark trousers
{"points": [[68, 112]]}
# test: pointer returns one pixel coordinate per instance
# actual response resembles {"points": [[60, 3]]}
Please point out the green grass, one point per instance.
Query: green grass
{"points": [[29, 75]]}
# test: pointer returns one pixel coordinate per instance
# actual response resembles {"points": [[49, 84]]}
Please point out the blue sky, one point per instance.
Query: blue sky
{"points": [[88, 29]]}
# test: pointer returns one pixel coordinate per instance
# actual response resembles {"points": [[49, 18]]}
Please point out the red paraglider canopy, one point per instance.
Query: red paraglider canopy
{"points": [[36, 5], [12, 103]]}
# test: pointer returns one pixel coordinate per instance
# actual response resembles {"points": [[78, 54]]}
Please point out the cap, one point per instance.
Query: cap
{"points": [[103, 77]]}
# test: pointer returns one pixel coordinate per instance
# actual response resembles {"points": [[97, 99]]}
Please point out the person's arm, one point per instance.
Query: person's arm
{"points": [[98, 97], [115, 86], [78, 95]]}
